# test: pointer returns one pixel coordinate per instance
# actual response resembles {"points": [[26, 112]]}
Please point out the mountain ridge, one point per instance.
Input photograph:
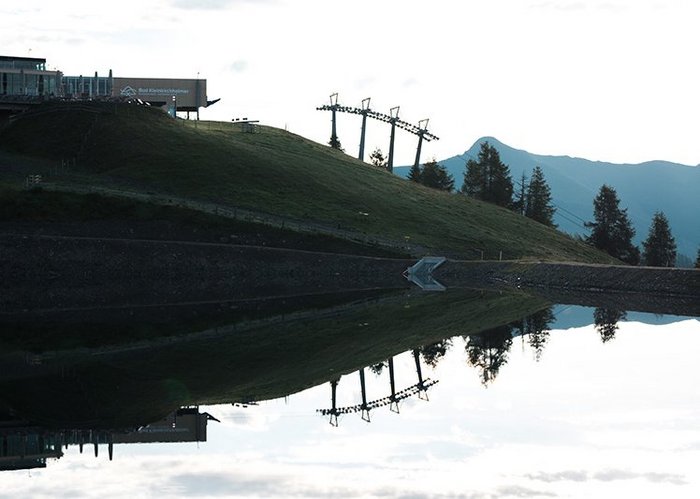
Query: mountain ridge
{"points": [[643, 188]]}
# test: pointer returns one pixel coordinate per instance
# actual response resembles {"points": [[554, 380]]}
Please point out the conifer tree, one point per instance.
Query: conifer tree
{"points": [[377, 158], [606, 320], [697, 260], [335, 144], [488, 179], [433, 353], [436, 176], [612, 231], [519, 201], [488, 351], [415, 174], [538, 201], [660, 246], [537, 328]]}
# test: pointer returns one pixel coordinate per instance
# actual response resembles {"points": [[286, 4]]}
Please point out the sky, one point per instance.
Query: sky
{"points": [[610, 80], [590, 419]]}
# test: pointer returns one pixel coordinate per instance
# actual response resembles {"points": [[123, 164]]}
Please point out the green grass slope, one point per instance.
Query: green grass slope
{"points": [[274, 172]]}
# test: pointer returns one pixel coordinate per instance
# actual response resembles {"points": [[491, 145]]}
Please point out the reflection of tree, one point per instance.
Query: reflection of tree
{"points": [[433, 353], [537, 330], [606, 320], [488, 351], [377, 368]]}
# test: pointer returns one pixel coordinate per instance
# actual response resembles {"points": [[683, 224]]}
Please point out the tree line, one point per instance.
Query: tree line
{"points": [[488, 179], [488, 350]]}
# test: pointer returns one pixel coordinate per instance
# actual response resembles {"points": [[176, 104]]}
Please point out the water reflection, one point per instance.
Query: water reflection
{"points": [[419, 389], [488, 351], [25, 446], [606, 320], [147, 389]]}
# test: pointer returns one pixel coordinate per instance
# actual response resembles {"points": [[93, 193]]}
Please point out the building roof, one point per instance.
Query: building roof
{"points": [[8, 58]]}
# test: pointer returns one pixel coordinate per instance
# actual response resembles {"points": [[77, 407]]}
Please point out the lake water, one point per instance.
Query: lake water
{"points": [[576, 417]]}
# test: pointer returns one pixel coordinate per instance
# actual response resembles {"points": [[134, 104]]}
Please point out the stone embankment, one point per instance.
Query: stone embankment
{"points": [[52, 272], [652, 289]]}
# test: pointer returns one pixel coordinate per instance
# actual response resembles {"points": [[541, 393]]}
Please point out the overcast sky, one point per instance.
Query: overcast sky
{"points": [[613, 80]]}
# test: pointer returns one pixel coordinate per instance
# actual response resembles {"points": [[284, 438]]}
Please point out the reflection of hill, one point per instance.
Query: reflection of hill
{"points": [[70, 328], [137, 384]]}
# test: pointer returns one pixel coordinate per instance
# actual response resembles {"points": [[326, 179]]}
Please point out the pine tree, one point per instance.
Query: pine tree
{"points": [[474, 179], [335, 144], [377, 158], [436, 176], [433, 353], [606, 320], [536, 327], [612, 231], [415, 174], [488, 351], [697, 260], [660, 246], [519, 202], [538, 201], [488, 179]]}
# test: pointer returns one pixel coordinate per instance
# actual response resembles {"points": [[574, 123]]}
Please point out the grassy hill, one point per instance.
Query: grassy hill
{"points": [[140, 149]]}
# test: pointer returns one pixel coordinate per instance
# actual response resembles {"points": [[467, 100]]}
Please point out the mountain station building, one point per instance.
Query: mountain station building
{"points": [[25, 82]]}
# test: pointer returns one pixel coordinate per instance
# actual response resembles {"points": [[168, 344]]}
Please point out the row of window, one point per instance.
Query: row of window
{"points": [[51, 84], [21, 64], [28, 84], [92, 87]]}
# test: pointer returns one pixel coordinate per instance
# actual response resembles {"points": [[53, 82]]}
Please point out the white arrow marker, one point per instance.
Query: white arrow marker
{"points": [[421, 274]]}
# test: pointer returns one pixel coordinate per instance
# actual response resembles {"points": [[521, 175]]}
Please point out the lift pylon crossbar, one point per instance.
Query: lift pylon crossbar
{"points": [[382, 402], [404, 125]]}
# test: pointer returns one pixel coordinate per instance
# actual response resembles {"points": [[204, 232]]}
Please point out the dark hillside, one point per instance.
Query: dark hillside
{"points": [[274, 172]]}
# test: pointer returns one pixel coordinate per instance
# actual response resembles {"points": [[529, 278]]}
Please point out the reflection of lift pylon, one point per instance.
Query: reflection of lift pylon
{"points": [[421, 130], [420, 389], [364, 407]]}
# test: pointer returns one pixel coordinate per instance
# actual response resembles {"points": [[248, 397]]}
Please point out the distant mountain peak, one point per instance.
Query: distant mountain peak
{"points": [[576, 181]]}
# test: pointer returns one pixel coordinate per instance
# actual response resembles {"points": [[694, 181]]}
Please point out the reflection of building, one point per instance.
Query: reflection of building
{"points": [[184, 425], [24, 81], [27, 449], [23, 446]]}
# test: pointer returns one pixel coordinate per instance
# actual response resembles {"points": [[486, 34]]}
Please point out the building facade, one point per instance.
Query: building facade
{"points": [[25, 81], [27, 76]]}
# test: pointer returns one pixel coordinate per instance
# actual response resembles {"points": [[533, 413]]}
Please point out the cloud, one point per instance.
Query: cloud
{"points": [[239, 66], [560, 476], [226, 484], [518, 491], [411, 82], [561, 6], [201, 4], [213, 4], [610, 475], [614, 475]]}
